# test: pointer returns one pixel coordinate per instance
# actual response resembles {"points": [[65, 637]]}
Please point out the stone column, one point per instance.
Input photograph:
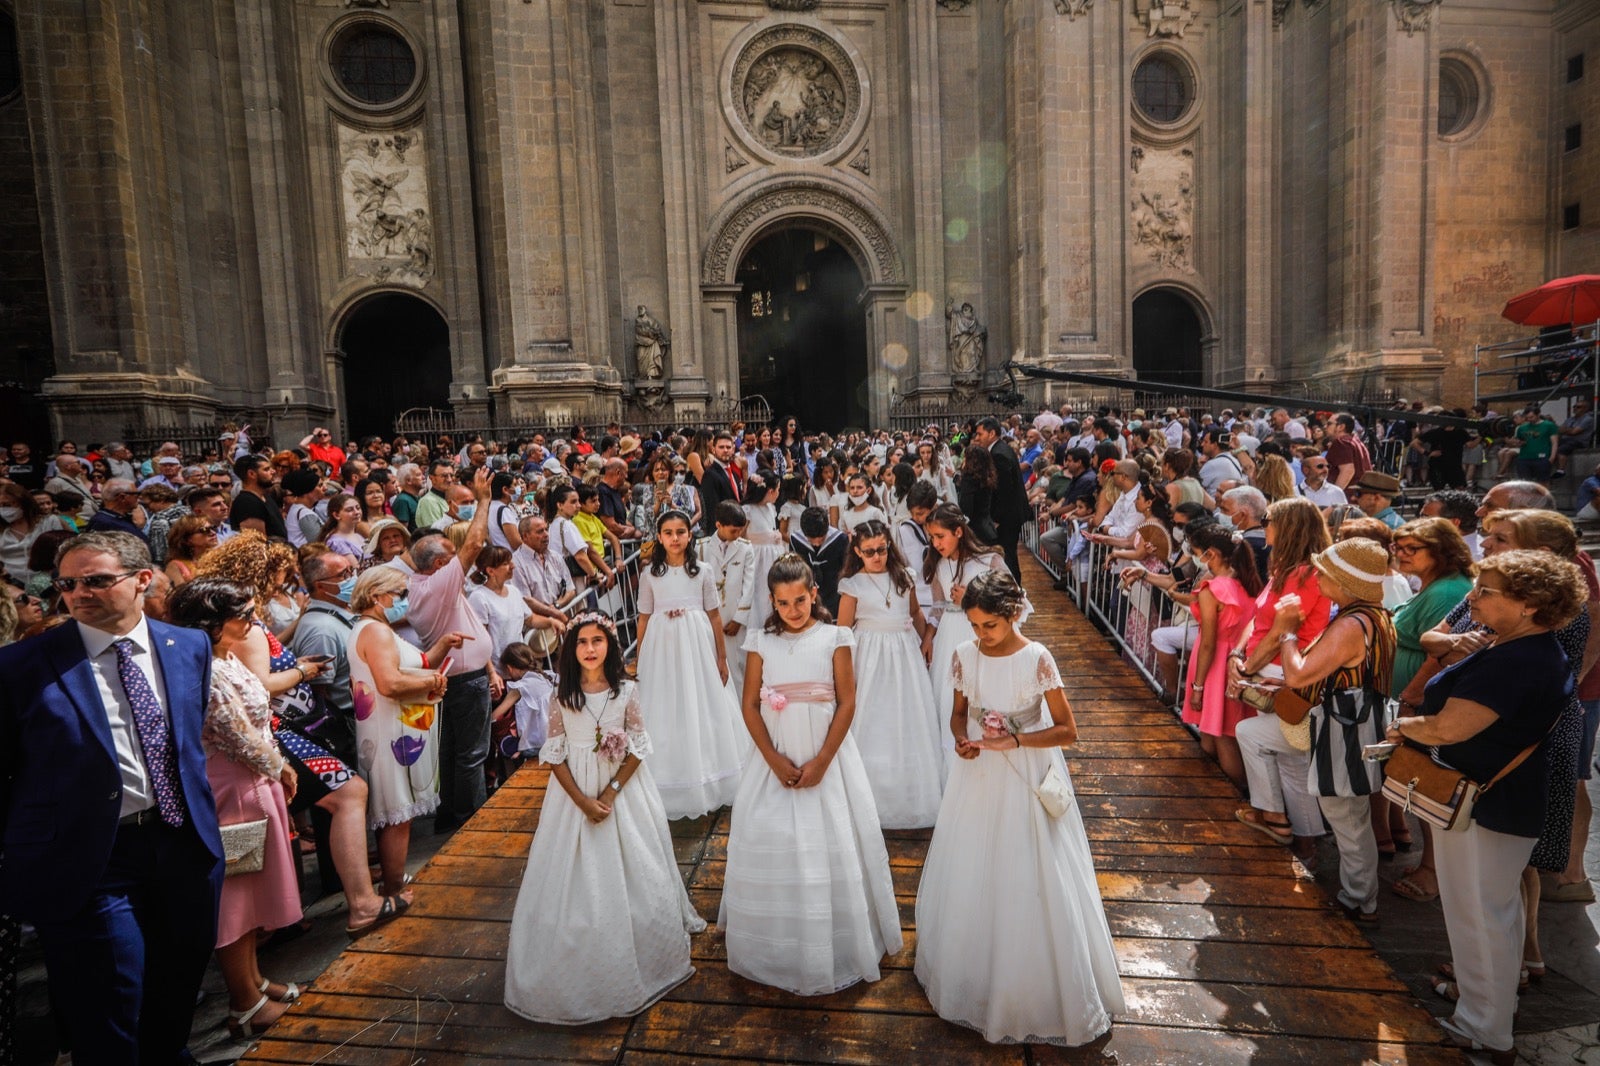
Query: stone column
{"points": [[547, 319], [925, 335], [1259, 222], [681, 120], [719, 318]]}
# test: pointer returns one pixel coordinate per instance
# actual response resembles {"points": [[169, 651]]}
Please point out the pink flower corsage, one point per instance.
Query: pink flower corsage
{"points": [[773, 698], [613, 747], [676, 612], [994, 724]]}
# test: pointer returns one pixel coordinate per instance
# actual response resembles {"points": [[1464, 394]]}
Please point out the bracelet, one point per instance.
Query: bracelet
{"points": [[425, 660], [302, 672], [1018, 738], [1287, 637]]}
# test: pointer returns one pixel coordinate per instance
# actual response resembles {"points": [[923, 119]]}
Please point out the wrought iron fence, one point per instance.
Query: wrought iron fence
{"points": [[144, 438], [1153, 633]]}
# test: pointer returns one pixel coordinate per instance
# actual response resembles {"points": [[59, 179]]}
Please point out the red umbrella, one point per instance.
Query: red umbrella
{"points": [[1562, 302]]}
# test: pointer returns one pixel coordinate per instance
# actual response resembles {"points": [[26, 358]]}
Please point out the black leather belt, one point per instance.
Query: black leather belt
{"points": [[470, 675], [148, 816]]}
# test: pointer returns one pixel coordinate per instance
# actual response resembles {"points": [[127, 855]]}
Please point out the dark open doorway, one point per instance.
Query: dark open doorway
{"points": [[1167, 337], [803, 329], [396, 357]]}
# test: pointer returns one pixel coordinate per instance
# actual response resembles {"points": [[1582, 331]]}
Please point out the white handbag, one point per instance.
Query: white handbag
{"points": [[1053, 791]]}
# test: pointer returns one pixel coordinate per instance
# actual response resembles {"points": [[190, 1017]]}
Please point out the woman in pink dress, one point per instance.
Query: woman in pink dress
{"points": [[1224, 604], [248, 777]]}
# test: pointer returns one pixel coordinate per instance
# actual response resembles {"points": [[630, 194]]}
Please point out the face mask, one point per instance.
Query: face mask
{"points": [[466, 511], [1224, 521], [396, 610], [9, 515], [346, 587], [1177, 534], [857, 499]]}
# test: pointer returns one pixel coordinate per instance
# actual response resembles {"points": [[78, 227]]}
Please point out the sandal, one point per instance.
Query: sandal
{"points": [[1447, 990], [291, 991], [1403, 843], [1278, 834], [242, 1023], [1448, 972], [1456, 1039], [1575, 892], [393, 907], [1410, 889]]}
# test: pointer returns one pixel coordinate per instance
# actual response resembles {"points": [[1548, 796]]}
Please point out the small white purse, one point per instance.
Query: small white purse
{"points": [[1054, 793]]}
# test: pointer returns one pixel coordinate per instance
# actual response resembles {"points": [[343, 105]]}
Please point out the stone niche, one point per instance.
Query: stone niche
{"points": [[388, 221]]}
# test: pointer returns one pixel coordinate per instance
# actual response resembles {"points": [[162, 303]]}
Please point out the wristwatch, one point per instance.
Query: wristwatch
{"points": [[616, 786]]}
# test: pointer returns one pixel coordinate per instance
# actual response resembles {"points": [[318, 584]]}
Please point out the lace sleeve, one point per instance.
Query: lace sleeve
{"points": [[633, 724], [554, 748], [231, 730], [1045, 675]]}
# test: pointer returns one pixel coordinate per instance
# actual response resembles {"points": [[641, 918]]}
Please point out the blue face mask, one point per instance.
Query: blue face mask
{"points": [[465, 512], [396, 610], [346, 587]]}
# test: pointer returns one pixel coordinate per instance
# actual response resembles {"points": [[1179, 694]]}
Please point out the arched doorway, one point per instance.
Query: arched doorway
{"points": [[1168, 338], [396, 356], [803, 328]]}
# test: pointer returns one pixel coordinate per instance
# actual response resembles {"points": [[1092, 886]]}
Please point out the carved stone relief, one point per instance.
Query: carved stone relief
{"points": [[793, 5], [366, 3], [795, 91], [863, 162], [731, 159], [860, 229], [1279, 8], [1415, 15], [387, 221], [1162, 209], [955, 5], [1073, 8], [1164, 18]]}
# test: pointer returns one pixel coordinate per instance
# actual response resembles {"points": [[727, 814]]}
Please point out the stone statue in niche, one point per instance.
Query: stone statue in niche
{"points": [[650, 344], [1163, 205], [965, 337], [388, 227], [794, 101]]}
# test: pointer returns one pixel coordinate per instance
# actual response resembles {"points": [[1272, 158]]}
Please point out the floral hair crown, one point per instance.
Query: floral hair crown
{"points": [[594, 618]]}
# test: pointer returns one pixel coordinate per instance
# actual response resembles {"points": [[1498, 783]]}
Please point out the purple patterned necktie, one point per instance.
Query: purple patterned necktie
{"points": [[160, 757]]}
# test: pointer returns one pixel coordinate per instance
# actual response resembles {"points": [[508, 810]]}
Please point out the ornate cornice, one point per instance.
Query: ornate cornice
{"points": [[793, 5], [1073, 8]]}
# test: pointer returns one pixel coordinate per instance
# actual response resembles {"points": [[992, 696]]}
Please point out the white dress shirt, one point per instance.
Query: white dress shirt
{"points": [[97, 645]]}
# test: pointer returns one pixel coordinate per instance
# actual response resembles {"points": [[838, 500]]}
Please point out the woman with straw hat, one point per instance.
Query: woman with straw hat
{"points": [[1343, 675]]}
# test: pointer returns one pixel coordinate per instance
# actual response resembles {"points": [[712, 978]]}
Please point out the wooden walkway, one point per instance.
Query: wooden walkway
{"points": [[1225, 957]]}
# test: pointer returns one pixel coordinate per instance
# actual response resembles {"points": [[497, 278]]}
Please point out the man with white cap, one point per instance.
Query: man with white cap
{"points": [[169, 472]]}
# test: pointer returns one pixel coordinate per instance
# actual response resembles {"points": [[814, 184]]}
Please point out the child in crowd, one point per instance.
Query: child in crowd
{"points": [[595, 534], [732, 561], [793, 493], [860, 504], [1224, 604], [683, 675], [807, 901], [896, 727], [912, 539], [1016, 965], [762, 532], [823, 548], [601, 860], [957, 557], [526, 703]]}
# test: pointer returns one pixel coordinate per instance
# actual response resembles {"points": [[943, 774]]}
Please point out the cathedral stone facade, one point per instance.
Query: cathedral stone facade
{"points": [[519, 210]]}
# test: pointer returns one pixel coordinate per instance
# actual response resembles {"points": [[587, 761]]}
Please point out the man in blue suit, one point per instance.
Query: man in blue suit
{"points": [[110, 844]]}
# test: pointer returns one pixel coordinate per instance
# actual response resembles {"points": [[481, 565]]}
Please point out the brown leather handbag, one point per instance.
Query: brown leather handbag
{"points": [[1435, 793]]}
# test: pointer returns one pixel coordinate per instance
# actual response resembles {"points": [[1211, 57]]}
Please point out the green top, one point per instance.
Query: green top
{"points": [[1536, 438], [430, 509], [1418, 615]]}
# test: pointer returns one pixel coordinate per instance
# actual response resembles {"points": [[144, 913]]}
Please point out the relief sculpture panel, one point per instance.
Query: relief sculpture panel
{"points": [[387, 221], [795, 92], [1163, 205]]}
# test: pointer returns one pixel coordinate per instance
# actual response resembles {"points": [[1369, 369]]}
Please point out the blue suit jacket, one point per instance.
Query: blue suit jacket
{"points": [[60, 791]]}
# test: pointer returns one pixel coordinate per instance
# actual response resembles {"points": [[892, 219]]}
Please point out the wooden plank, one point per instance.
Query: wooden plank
{"points": [[1221, 889], [1105, 784], [770, 1034], [525, 1043], [462, 901], [896, 992], [454, 869], [1274, 1008], [447, 938], [1170, 1047], [470, 842], [1356, 969], [1244, 925]]}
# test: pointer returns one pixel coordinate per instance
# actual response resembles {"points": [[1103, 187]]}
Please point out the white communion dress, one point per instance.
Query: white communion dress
{"points": [[896, 726], [807, 901], [767, 542], [692, 715], [602, 922], [1012, 938], [954, 630]]}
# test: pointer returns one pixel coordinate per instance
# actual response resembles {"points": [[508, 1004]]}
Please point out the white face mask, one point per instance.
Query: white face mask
{"points": [[9, 515], [857, 499]]}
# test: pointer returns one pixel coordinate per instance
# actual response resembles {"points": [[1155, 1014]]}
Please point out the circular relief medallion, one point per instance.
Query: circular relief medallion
{"points": [[796, 91]]}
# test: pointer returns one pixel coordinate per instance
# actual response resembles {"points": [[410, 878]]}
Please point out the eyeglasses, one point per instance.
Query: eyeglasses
{"points": [[1409, 549], [94, 582], [206, 531], [1484, 590], [871, 552], [24, 599]]}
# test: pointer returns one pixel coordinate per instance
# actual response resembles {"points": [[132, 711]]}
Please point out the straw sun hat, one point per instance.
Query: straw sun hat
{"points": [[1358, 566]]}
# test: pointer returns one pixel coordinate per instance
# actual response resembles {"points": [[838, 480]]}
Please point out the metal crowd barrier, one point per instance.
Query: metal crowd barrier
{"points": [[1129, 617]]}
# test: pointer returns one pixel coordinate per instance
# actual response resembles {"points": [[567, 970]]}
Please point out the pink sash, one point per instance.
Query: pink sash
{"points": [[778, 696]]}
